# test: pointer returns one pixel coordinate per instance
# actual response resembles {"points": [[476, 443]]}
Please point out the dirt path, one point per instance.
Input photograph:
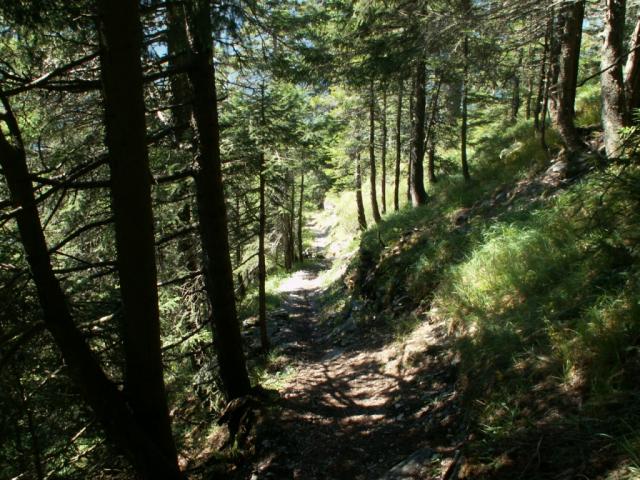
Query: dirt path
{"points": [[359, 402]]}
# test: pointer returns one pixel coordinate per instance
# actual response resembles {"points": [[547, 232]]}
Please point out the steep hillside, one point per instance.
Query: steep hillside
{"points": [[533, 271]]}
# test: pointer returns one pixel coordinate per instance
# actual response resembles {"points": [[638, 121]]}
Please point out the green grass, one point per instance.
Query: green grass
{"points": [[540, 293]]}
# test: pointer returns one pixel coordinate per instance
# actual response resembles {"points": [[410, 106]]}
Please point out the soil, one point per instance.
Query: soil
{"points": [[360, 402]]}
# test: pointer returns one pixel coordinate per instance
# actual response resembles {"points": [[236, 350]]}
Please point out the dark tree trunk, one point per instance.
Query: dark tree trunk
{"points": [[383, 153], [177, 50], [104, 398], [527, 112], [431, 133], [292, 218], [262, 231], [372, 156], [566, 80], [411, 139], [396, 186], [632, 71], [614, 115], [262, 264], [301, 217], [287, 241], [515, 96], [362, 221], [120, 34], [211, 205], [418, 193], [36, 451], [178, 55], [237, 229], [463, 128], [542, 80], [547, 85]]}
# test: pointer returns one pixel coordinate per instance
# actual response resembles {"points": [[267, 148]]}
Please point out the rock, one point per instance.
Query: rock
{"points": [[333, 353], [414, 467]]}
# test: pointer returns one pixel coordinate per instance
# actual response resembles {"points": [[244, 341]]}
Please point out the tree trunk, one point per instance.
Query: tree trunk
{"points": [[120, 34], [564, 90], [237, 231], [383, 153], [418, 193], [515, 96], [632, 71], [431, 132], [372, 156], [614, 115], [177, 50], [102, 395], [463, 129], [396, 187], [285, 220], [262, 231], [262, 264], [300, 218], [211, 205], [411, 139], [362, 221], [542, 81], [292, 218], [529, 92]]}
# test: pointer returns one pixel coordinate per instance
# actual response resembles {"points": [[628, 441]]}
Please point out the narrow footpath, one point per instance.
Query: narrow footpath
{"points": [[360, 405]]}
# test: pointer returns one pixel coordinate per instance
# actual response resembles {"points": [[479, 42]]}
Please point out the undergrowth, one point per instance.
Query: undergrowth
{"points": [[541, 293]]}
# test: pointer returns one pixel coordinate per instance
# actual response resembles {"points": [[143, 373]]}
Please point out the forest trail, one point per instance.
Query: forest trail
{"points": [[359, 402]]}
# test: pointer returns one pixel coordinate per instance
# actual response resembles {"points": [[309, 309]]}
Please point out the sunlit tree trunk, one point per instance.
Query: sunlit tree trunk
{"points": [[396, 187], [418, 193], [614, 115], [632, 71], [362, 221], [431, 132], [372, 156], [463, 128], [383, 152], [564, 90], [301, 217], [515, 95], [542, 80], [411, 140]]}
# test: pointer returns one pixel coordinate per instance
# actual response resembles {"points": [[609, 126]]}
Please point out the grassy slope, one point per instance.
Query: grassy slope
{"points": [[541, 292]]}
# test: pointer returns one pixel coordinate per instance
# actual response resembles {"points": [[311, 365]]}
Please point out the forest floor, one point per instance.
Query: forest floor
{"points": [[359, 404]]}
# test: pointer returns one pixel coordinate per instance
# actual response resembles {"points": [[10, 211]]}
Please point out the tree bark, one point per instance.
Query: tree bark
{"points": [[542, 80], [300, 218], [383, 153], [418, 193], [396, 187], [372, 156], [431, 167], [211, 204], [411, 140], [262, 231], [515, 96], [362, 221], [292, 218], [177, 50], [102, 395], [632, 71], [614, 114], [563, 91], [120, 35], [463, 128]]}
